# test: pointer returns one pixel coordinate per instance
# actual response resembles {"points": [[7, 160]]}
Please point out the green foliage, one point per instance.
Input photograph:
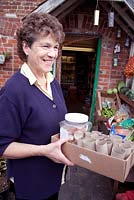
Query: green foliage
{"points": [[108, 112]]}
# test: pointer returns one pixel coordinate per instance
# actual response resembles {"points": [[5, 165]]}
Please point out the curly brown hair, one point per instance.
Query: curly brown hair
{"points": [[36, 25]]}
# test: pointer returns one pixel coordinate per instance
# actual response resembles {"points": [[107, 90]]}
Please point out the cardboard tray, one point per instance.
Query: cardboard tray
{"points": [[111, 167]]}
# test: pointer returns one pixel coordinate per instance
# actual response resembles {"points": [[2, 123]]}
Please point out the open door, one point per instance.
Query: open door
{"points": [[78, 72]]}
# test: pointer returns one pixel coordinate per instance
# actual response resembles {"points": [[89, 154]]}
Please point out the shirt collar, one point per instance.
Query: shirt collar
{"points": [[26, 71]]}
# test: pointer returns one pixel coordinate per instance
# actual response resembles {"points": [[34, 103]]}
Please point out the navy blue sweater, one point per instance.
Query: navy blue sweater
{"points": [[29, 116]]}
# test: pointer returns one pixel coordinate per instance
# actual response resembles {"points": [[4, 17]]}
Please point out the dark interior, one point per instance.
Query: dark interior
{"points": [[77, 74]]}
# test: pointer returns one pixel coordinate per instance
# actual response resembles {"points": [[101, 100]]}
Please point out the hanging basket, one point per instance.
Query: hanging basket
{"points": [[2, 59], [5, 55], [129, 69]]}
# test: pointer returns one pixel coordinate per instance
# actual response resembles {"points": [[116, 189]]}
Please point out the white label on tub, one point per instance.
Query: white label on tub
{"points": [[63, 133], [85, 158]]}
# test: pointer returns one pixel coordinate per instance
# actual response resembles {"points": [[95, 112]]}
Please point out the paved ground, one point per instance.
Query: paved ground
{"points": [[86, 185], [83, 184]]}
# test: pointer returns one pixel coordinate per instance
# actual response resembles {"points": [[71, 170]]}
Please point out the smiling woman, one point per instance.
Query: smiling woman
{"points": [[41, 55], [33, 104]]}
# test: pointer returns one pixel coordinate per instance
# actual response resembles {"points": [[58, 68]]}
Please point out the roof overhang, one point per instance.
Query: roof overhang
{"points": [[124, 9]]}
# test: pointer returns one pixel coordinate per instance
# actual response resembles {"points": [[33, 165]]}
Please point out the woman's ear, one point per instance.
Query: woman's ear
{"points": [[25, 48]]}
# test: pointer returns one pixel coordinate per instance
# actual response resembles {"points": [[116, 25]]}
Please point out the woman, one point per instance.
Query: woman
{"points": [[31, 107]]}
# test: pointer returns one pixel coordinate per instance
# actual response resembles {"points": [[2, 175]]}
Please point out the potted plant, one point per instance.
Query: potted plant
{"points": [[4, 56]]}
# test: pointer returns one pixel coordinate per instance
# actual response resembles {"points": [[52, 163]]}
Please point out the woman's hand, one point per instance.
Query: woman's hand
{"points": [[53, 152]]}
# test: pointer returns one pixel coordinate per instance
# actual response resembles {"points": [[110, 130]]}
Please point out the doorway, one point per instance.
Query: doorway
{"points": [[77, 79]]}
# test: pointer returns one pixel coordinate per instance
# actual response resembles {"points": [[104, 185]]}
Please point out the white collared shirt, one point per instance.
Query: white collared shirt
{"points": [[26, 71]]}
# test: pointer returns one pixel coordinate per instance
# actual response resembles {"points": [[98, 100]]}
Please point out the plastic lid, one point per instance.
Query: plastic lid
{"points": [[76, 117]]}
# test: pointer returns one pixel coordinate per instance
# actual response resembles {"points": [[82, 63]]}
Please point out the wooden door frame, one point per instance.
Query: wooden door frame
{"points": [[96, 77]]}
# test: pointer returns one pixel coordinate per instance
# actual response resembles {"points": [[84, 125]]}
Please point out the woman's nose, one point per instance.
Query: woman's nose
{"points": [[53, 53]]}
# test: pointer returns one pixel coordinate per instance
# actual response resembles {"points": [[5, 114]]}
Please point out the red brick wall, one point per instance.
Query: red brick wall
{"points": [[11, 13], [81, 20]]}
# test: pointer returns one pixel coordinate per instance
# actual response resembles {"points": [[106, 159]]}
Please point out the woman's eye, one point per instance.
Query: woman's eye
{"points": [[48, 47], [56, 48], [45, 46]]}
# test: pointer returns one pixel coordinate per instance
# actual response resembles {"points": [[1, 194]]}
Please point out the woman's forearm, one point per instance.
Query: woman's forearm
{"points": [[17, 150], [53, 151]]}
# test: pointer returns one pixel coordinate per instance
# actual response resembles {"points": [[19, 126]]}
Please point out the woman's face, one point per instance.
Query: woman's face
{"points": [[42, 54]]}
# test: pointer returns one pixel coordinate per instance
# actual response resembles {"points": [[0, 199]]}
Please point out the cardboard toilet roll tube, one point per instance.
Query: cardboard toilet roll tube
{"points": [[116, 139], [101, 146], [127, 147], [109, 145], [79, 142], [89, 143], [118, 152]]}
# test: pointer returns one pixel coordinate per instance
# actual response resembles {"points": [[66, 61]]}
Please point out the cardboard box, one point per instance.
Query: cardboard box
{"points": [[109, 166]]}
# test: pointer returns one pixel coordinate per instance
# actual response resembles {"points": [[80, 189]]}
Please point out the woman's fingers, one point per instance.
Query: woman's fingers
{"points": [[56, 154]]}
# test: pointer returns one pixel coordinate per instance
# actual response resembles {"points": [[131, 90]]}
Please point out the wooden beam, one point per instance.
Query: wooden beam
{"points": [[65, 6], [113, 0], [120, 23], [125, 28], [130, 4], [67, 11], [71, 48], [123, 14], [49, 5]]}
